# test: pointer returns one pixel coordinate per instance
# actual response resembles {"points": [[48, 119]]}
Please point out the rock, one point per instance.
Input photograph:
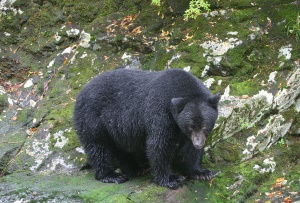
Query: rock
{"points": [[51, 49]]}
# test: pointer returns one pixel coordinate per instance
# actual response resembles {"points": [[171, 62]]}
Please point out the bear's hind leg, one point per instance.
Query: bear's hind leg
{"points": [[100, 156]]}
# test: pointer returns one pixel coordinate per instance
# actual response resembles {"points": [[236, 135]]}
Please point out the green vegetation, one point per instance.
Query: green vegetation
{"points": [[282, 141], [3, 102], [156, 2], [194, 9], [245, 88], [293, 27]]}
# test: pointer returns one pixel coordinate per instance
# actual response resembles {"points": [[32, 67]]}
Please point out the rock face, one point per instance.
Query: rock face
{"points": [[243, 49]]}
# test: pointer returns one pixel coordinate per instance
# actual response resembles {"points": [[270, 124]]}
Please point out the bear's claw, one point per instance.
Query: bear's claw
{"points": [[207, 175], [114, 178], [175, 181], [173, 185], [177, 178]]}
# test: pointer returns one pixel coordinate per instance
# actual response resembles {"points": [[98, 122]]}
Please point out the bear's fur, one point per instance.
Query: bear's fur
{"points": [[131, 118]]}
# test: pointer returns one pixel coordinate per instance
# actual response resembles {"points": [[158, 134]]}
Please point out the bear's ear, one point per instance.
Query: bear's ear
{"points": [[214, 100], [177, 105]]}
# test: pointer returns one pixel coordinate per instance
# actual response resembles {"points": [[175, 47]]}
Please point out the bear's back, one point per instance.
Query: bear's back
{"points": [[123, 87], [174, 83]]}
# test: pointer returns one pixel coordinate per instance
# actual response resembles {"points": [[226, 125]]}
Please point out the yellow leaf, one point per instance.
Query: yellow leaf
{"points": [[279, 180]]}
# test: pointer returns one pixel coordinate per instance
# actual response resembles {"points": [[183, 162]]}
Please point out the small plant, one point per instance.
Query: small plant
{"points": [[195, 9], [282, 141], [155, 2], [293, 27], [252, 57], [245, 124]]}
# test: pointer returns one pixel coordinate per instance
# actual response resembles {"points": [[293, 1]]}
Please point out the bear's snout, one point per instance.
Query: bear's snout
{"points": [[198, 139]]}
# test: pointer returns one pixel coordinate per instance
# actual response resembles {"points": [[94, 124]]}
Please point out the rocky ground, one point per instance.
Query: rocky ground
{"points": [[247, 50]]}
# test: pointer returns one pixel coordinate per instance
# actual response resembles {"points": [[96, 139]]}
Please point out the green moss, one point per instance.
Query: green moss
{"points": [[228, 150], [293, 116], [243, 15], [159, 61], [48, 187], [73, 141], [242, 178], [150, 194], [287, 167], [245, 3], [3, 102], [107, 193], [79, 11], [289, 114], [9, 23], [25, 115], [245, 88], [254, 184], [191, 56], [61, 116], [99, 195], [233, 60]]}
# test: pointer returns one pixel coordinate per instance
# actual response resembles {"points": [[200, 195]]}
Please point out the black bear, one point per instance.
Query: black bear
{"points": [[131, 118]]}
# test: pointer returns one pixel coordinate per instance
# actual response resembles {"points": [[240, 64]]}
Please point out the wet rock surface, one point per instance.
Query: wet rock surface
{"points": [[50, 49]]}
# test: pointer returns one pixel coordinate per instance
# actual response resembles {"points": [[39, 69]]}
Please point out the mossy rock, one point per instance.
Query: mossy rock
{"points": [[244, 3], [3, 102], [227, 150]]}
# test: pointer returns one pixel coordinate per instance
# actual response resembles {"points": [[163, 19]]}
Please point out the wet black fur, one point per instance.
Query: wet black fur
{"points": [[125, 117]]}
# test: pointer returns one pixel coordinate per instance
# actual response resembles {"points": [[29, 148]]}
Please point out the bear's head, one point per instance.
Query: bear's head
{"points": [[196, 117]]}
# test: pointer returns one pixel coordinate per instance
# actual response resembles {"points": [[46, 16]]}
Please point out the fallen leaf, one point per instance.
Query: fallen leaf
{"points": [[164, 34], [64, 104], [279, 180], [188, 36], [287, 200], [279, 183], [211, 182], [270, 195], [66, 61], [137, 30]]}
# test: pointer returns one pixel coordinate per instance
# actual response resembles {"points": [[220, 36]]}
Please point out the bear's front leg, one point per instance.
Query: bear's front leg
{"points": [[192, 159], [160, 152]]}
